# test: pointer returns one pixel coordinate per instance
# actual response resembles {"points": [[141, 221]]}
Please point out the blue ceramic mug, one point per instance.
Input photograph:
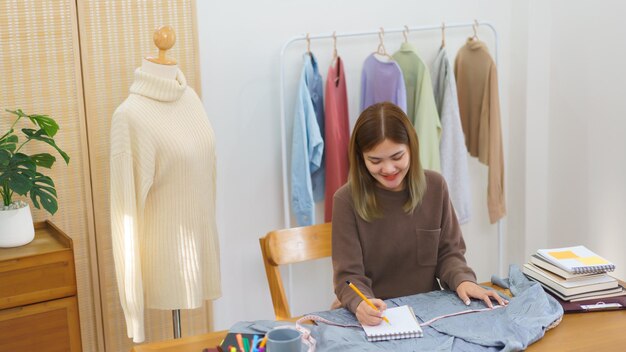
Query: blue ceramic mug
{"points": [[284, 340]]}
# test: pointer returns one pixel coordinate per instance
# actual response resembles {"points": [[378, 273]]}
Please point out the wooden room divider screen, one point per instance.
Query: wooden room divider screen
{"points": [[74, 60]]}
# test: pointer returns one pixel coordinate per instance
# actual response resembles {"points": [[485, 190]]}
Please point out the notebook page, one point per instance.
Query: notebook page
{"points": [[403, 325]]}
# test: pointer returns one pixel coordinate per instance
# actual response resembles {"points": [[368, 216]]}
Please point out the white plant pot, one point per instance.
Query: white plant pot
{"points": [[16, 227]]}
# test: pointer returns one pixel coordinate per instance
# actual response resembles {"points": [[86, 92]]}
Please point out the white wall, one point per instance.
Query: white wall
{"points": [[564, 119], [587, 127], [240, 43], [568, 109]]}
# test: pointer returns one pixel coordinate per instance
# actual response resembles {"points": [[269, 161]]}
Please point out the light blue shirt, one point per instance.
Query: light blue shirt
{"points": [[306, 152], [315, 85]]}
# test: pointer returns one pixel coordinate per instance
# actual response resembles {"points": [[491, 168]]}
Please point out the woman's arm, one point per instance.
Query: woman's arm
{"points": [[452, 268], [347, 255]]}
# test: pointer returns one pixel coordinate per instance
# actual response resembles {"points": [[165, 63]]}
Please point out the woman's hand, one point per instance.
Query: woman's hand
{"points": [[368, 315], [468, 289]]}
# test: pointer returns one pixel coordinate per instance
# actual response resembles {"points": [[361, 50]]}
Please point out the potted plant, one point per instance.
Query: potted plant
{"points": [[19, 174]]}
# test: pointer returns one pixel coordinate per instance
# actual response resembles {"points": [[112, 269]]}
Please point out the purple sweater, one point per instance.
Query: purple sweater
{"points": [[382, 81]]}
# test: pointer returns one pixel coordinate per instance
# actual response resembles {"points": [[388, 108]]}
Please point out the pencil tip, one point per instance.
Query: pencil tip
{"points": [[348, 282]]}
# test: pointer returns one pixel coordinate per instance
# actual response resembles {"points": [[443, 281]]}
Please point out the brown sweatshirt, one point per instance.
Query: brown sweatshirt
{"points": [[399, 254], [479, 105]]}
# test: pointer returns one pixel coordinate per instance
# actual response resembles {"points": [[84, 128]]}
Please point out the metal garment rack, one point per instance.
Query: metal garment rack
{"points": [[283, 142]]}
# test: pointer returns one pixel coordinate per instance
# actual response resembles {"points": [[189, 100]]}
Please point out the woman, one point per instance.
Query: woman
{"points": [[394, 229]]}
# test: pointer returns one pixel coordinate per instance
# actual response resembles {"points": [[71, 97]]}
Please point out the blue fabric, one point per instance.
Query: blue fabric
{"points": [[315, 85], [306, 153], [513, 328]]}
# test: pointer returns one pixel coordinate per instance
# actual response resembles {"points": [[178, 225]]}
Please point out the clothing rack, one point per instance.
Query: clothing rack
{"points": [[308, 37]]}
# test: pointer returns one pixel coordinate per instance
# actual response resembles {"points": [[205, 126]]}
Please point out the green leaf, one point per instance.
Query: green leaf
{"points": [[43, 192], [45, 123], [5, 157], [18, 173], [44, 160], [9, 142], [20, 183], [40, 136], [21, 159]]}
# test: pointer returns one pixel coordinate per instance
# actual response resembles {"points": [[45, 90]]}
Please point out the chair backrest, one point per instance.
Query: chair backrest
{"points": [[290, 246]]}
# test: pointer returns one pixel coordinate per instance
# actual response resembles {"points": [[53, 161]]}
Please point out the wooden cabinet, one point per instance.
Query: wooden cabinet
{"points": [[38, 305]]}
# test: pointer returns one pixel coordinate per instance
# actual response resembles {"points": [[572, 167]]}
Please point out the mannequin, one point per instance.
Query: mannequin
{"points": [[162, 66], [163, 228]]}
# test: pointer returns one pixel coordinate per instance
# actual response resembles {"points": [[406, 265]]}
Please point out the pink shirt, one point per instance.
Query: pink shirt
{"points": [[337, 132]]}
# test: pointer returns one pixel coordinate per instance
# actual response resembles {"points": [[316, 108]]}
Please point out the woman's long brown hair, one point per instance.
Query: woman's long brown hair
{"points": [[375, 124]]}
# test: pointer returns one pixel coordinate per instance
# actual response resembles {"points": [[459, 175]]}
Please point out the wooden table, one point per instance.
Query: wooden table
{"points": [[185, 344], [595, 331]]}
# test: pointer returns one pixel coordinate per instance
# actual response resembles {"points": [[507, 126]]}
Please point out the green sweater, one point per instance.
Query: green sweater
{"points": [[420, 105], [399, 254]]}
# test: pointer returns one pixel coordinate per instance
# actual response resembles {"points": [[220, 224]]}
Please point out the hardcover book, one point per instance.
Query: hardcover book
{"points": [[568, 288]]}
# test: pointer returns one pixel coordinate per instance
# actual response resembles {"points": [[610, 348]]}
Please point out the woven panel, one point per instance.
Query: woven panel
{"points": [[39, 75], [115, 36]]}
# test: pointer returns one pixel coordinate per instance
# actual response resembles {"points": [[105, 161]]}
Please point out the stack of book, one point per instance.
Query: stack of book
{"points": [[573, 274]]}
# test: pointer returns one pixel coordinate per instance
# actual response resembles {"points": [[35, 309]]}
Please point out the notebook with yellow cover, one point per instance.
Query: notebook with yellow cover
{"points": [[402, 325], [577, 260]]}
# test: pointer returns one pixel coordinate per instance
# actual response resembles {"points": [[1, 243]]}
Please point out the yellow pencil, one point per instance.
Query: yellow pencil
{"points": [[262, 344], [369, 303]]}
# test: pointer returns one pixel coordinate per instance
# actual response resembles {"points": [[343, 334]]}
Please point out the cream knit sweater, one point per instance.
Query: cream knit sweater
{"points": [[165, 243]]}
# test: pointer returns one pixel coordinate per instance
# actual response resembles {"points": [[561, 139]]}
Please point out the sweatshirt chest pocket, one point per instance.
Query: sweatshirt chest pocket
{"points": [[427, 246]]}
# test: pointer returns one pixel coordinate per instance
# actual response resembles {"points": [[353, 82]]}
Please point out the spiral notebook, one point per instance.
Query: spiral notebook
{"points": [[577, 260], [403, 325]]}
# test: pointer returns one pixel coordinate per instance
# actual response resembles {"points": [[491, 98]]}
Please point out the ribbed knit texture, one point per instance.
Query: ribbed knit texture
{"points": [[163, 229]]}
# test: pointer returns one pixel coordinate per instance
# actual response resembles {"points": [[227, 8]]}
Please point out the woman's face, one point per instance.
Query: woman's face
{"points": [[388, 163]]}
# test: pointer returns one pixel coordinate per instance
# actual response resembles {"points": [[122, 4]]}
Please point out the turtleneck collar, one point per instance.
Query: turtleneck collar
{"points": [[157, 88], [474, 44]]}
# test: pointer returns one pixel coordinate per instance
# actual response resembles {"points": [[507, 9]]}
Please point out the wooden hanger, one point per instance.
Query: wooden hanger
{"points": [[381, 46], [443, 34], [335, 59], [334, 46], [475, 28], [164, 39], [308, 44], [405, 33]]}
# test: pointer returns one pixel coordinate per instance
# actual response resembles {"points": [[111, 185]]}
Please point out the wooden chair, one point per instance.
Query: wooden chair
{"points": [[290, 246]]}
